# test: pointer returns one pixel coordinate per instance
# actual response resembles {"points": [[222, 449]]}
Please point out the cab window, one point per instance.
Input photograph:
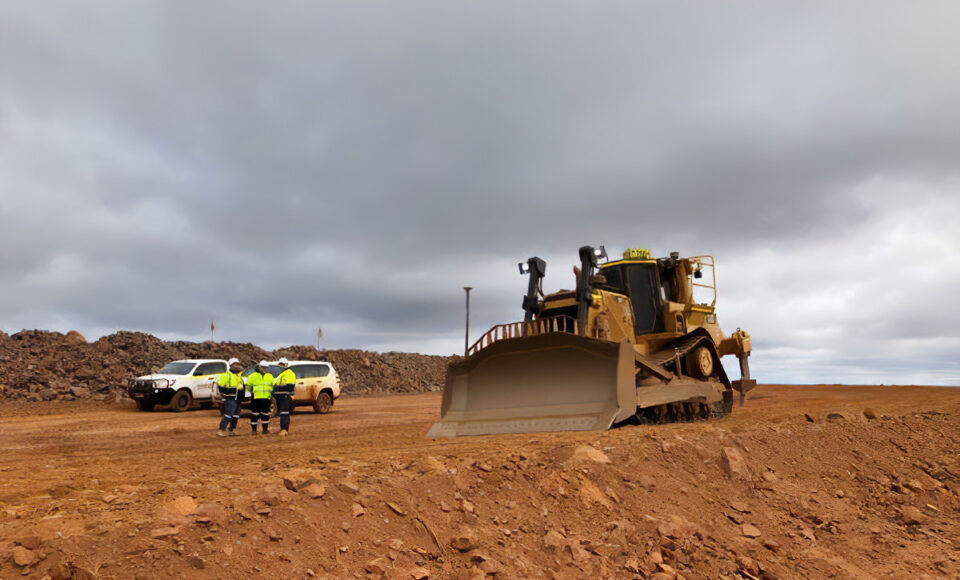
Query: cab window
{"points": [[645, 298], [210, 368], [323, 370]]}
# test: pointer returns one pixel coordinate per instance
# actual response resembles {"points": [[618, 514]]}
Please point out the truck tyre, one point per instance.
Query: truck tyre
{"points": [[145, 405], [323, 403], [181, 401]]}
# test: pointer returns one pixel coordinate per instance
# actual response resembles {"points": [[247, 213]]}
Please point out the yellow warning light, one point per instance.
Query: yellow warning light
{"points": [[636, 254]]}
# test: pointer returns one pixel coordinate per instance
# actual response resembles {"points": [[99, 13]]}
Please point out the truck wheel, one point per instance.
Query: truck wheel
{"points": [[145, 405], [181, 401], [323, 403]]}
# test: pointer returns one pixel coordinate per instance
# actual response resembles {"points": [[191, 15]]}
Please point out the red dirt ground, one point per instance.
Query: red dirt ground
{"points": [[811, 482]]}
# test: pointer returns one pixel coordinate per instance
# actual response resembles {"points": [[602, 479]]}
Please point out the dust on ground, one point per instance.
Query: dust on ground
{"points": [[814, 482]]}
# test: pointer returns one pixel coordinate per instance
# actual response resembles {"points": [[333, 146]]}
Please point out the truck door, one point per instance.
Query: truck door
{"points": [[205, 377]]}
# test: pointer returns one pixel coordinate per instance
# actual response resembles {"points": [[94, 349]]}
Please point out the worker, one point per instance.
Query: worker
{"points": [[230, 386], [283, 392], [260, 383]]}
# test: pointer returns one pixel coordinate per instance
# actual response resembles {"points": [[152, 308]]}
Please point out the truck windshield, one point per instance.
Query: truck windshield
{"points": [[177, 368]]}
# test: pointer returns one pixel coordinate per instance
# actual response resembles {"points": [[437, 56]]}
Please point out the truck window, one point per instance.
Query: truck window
{"points": [[177, 368], [323, 370], [211, 368], [303, 371]]}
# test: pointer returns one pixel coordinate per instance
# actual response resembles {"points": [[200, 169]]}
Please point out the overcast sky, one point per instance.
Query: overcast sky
{"points": [[283, 166]]}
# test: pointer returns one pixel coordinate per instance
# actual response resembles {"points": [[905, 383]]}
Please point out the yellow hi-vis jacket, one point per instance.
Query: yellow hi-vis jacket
{"points": [[261, 385], [228, 383], [285, 382]]}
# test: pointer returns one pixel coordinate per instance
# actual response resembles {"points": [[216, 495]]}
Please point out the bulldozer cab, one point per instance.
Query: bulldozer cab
{"points": [[652, 284], [640, 282]]}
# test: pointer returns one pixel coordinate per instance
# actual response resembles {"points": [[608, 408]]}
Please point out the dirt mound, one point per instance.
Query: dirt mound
{"points": [[764, 493], [41, 365]]}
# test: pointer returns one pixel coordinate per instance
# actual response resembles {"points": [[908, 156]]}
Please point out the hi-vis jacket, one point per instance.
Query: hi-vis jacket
{"points": [[261, 385], [285, 382], [228, 384]]}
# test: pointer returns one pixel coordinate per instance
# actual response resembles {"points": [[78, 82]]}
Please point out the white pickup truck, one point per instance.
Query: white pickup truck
{"points": [[181, 384]]}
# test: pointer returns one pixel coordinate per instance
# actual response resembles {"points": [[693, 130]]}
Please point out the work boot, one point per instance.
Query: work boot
{"points": [[283, 433], [222, 433], [266, 431], [231, 433]]}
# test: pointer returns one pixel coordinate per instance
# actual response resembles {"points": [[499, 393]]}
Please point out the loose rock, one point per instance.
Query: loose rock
{"points": [[24, 558], [734, 464], [314, 491], [465, 540], [589, 453]]}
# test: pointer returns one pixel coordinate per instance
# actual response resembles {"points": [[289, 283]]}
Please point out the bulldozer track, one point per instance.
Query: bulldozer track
{"points": [[684, 345], [687, 411]]}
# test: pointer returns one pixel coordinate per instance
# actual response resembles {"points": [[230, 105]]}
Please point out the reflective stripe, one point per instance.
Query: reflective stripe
{"points": [[286, 378], [284, 412], [228, 379]]}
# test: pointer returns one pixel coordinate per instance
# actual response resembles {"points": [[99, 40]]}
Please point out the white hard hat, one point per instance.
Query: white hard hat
{"points": [[263, 363], [233, 361], [283, 362]]}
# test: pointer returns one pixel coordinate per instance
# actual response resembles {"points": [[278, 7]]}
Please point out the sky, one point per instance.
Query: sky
{"points": [[287, 166]]}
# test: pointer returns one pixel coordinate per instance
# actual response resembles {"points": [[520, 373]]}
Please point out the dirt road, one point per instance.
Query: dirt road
{"points": [[858, 482]]}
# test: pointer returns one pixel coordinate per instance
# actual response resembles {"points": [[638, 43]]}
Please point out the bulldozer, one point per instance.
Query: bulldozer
{"points": [[636, 340]]}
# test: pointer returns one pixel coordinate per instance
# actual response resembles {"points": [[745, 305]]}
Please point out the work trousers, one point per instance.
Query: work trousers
{"points": [[284, 405], [230, 414], [260, 409]]}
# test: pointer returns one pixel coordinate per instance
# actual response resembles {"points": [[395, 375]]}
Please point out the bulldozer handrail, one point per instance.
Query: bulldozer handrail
{"points": [[562, 324]]}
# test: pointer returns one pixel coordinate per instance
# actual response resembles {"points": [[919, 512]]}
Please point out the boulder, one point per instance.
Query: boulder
{"points": [[164, 532], [734, 464], [314, 491], [590, 454], [417, 573], [465, 539], [553, 540], [377, 566], [348, 487], [183, 505], [912, 516], [75, 338], [24, 558]]}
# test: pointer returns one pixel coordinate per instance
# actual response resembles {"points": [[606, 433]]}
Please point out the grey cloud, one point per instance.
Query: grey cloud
{"points": [[353, 165]]}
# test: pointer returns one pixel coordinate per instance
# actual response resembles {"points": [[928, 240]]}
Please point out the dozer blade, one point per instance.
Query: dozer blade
{"points": [[551, 382]]}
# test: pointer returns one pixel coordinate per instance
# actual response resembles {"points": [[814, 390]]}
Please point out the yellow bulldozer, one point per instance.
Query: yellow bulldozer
{"points": [[637, 340]]}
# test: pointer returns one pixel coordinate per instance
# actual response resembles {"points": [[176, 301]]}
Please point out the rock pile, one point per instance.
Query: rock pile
{"points": [[44, 366]]}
